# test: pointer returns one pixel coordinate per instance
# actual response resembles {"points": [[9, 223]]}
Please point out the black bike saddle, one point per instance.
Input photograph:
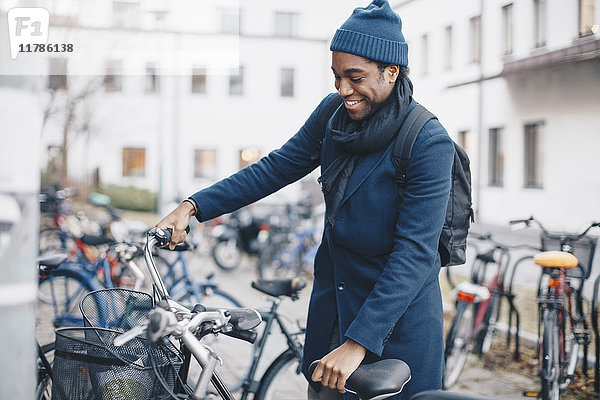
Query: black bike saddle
{"points": [[278, 288], [376, 381]]}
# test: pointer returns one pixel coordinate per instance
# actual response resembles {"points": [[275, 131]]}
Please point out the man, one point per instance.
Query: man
{"points": [[375, 292]]}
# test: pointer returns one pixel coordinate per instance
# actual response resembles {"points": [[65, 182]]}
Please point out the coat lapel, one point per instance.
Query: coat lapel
{"points": [[364, 168]]}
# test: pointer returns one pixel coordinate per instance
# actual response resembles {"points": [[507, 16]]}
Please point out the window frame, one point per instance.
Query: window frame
{"points": [[533, 155], [129, 164], [496, 157]]}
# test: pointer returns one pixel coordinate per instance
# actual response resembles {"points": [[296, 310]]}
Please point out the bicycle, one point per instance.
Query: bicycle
{"points": [[478, 309], [563, 330], [171, 319]]}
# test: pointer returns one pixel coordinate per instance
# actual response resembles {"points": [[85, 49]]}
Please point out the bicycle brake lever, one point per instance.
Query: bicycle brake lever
{"points": [[129, 335]]}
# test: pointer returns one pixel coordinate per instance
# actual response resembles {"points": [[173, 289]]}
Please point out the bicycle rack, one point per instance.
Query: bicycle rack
{"points": [[596, 336]]}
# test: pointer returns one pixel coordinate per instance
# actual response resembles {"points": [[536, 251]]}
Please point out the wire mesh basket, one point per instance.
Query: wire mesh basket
{"points": [[88, 366], [119, 309], [583, 248]]}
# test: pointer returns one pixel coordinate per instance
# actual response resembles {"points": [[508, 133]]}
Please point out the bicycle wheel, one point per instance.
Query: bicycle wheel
{"points": [[491, 317], [226, 254], [59, 294], [283, 380], [237, 354], [54, 239], [550, 372], [43, 389], [458, 344]]}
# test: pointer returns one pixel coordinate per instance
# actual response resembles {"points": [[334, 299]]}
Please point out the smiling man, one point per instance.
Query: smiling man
{"points": [[375, 291]]}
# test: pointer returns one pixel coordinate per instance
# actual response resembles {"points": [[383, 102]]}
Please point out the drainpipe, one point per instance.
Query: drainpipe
{"points": [[480, 158]]}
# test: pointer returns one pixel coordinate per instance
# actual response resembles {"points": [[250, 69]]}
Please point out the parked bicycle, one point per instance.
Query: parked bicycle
{"points": [[478, 307], [124, 364], [566, 264]]}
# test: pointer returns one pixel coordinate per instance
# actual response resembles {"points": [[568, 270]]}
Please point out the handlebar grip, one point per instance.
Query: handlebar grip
{"points": [[163, 236], [244, 318], [520, 221], [248, 336]]}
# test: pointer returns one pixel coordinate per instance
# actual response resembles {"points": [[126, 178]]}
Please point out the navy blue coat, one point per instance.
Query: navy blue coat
{"points": [[377, 268]]}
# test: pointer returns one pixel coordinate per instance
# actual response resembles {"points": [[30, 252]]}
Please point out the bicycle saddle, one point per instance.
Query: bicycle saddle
{"points": [[376, 381], [49, 261], [93, 240], [278, 288], [444, 395]]}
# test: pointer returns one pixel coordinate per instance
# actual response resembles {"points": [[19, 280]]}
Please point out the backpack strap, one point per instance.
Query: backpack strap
{"points": [[409, 130], [328, 107], [330, 104]]}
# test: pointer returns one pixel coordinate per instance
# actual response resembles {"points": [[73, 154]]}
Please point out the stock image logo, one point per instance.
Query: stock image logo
{"points": [[28, 27]]}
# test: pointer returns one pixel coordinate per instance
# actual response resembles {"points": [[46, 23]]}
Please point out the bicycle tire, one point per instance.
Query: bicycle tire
{"points": [[43, 390], [550, 371], [59, 293], [237, 355], [283, 380], [491, 318], [54, 239], [227, 254], [458, 344]]}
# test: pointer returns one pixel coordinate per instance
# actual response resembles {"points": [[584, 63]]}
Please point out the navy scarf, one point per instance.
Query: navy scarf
{"points": [[358, 138]]}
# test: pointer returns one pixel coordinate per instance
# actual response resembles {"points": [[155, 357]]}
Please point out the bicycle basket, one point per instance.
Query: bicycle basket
{"points": [[583, 249], [88, 366], [119, 309]]}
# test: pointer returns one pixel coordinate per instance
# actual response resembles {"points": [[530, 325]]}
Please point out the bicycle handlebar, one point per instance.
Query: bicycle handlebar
{"points": [[559, 236]]}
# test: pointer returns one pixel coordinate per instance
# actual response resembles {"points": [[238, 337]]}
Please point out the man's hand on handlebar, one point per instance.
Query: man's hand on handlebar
{"points": [[177, 220]]}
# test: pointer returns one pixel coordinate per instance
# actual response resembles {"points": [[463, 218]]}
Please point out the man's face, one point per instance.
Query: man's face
{"points": [[361, 84]]}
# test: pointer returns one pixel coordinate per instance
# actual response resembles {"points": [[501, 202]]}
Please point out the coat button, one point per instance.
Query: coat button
{"points": [[341, 286]]}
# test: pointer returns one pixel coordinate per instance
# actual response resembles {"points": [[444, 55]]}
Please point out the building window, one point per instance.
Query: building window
{"points": [[588, 22], [126, 14], [248, 156], [230, 21], [205, 163], [287, 82], [448, 48], [475, 39], [424, 54], [539, 23], [507, 29], [465, 140], [236, 81], [286, 24], [152, 78], [199, 80], [134, 161], [57, 73], [496, 158], [533, 155], [113, 80]]}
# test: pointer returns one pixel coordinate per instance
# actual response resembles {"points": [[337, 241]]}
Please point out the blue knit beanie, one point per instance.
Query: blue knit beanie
{"points": [[373, 32]]}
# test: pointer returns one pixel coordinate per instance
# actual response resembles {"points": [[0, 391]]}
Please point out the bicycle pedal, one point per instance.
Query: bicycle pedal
{"points": [[535, 395]]}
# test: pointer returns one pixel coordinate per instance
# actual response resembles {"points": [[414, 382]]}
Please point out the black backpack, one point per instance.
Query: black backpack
{"points": [[459, 212]]}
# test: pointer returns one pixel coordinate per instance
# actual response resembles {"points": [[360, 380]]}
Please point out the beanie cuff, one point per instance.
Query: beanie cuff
{"points": [[371, 47]]}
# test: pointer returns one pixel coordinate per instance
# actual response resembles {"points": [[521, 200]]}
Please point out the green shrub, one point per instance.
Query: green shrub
{"points": [[130, 198]]}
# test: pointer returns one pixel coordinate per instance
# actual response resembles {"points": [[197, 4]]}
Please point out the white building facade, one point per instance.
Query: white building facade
{"points": [[175, 124], [517, 83]]}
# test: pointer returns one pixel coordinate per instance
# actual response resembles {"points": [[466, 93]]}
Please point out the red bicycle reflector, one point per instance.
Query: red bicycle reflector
{"points": [[465, 297], [554, 282]]}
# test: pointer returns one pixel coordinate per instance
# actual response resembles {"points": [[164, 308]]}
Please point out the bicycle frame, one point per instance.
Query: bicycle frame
{"points": [[270, 317]]}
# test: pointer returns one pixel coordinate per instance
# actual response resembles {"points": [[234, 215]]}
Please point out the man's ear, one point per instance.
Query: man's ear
{"points": [[392, 73]]}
